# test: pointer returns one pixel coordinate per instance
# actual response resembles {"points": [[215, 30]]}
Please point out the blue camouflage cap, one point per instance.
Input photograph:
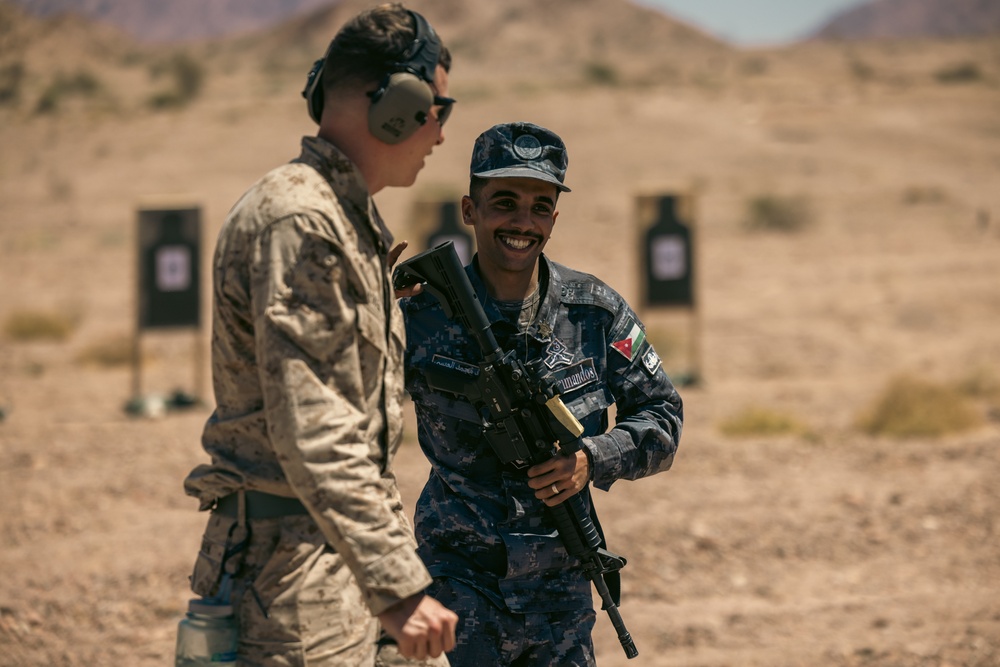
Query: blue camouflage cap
{"points": [[520, 149]]}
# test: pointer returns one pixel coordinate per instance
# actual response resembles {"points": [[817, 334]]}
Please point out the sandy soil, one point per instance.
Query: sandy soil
{"points": [[826, 548]]}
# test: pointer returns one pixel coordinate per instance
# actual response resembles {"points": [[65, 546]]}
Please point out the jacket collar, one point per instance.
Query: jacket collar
{"points": [[348, 182], [548, 310]]}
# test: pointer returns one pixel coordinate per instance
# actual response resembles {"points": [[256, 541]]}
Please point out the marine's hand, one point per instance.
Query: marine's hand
{"points": [[561, 477], [396, 251], [421, 626], [394, 254]]}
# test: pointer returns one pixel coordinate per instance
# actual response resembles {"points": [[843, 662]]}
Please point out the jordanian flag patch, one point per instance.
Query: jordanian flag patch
{"points": [[629, 346]]}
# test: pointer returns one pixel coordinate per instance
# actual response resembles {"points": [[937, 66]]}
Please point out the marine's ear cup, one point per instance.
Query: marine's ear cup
{"points": [[313, 91], [399, 107]]}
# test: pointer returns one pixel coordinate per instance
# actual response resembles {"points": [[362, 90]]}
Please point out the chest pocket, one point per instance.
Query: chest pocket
{"points": [[371, 346], [453, 407], [371, 326]]}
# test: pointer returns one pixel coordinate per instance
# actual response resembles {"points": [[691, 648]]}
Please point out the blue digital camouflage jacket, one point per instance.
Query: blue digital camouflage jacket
{"points": [[476, 519]]}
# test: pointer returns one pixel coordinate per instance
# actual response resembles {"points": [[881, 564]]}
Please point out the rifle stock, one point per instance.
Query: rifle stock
{"points": [[525, 419], [442, 274]]}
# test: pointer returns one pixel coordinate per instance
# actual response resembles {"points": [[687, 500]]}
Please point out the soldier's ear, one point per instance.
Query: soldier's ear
{"points": [[468, 208]]}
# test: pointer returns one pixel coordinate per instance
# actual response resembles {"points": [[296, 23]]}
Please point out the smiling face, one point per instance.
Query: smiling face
{"points": [[513, 220]]}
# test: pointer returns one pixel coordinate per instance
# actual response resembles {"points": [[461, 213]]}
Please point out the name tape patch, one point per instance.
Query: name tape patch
{"points": [[455, 365], [573, 377]]}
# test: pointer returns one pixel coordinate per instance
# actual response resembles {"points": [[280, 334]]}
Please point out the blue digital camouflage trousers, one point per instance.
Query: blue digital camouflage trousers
{"points": [[489, 635]]}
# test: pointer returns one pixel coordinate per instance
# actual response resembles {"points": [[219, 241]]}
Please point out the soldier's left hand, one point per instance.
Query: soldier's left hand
{"points": [[394, 254], [561, 477]]}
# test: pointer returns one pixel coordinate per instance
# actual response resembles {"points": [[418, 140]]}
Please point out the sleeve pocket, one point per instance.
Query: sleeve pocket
{"points": [[589, 407]]}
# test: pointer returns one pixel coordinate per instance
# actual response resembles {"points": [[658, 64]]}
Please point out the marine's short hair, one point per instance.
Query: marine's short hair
{"points": [[366, 47]]}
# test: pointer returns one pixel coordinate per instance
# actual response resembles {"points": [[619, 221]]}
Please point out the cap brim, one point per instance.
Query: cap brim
{"points": [[523, 172]]}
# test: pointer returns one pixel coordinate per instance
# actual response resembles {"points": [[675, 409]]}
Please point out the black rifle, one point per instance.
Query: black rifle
{"points": [[524, 420]]}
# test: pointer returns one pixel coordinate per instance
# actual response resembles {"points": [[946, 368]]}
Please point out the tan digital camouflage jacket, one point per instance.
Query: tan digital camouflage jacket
{"points": [[307, 347]]}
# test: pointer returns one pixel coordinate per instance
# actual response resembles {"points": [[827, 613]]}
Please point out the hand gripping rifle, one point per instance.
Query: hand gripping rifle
{"points": [[524, 420]]}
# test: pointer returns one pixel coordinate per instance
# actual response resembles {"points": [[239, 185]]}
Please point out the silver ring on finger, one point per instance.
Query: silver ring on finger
{"points": [[555, 489]]}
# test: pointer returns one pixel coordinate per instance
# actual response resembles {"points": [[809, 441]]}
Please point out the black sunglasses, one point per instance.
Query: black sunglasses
{"points": [[445, 103]]}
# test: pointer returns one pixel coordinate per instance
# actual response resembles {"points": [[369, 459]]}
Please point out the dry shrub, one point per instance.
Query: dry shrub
{"points": [[964, 72], [980, 383], [81, 84], [35, 325], [187, 78], [776, 213], [911, 407], [108, 353], [756, 421], [754, 66], [861, 70], [601, 74], [924, 194], [12, 77]]}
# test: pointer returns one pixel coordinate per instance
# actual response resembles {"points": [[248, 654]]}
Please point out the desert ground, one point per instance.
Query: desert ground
{"points": [[818, 542]]}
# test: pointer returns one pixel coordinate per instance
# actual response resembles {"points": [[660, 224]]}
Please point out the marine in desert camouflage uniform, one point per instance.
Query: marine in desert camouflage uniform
{"points": [[307, 525], [496, 558]]}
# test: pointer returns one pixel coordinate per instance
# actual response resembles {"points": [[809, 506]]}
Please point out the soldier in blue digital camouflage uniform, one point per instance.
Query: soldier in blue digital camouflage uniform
{"points": [[495, 557]]}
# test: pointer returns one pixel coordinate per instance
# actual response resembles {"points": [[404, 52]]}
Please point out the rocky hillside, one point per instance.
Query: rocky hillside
{"points": [[554, 41], [915, 18], [561, 43], [518, 48], [178, 20]]}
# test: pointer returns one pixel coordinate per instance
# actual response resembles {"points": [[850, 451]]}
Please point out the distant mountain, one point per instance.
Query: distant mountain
{"points": [[545, 40], [178, 20], [914, 18], [555, 43]]}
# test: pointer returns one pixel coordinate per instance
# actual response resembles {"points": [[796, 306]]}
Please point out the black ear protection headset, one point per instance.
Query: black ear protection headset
{"points": [[403, 99]]}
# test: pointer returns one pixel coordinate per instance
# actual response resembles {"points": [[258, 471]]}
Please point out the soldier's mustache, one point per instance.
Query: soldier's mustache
{"points": [[519, 235]]}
